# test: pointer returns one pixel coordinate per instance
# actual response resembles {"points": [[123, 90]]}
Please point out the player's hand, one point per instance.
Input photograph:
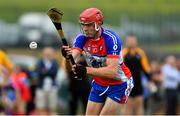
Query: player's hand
{"points": [[66, 51], [79, 70]]}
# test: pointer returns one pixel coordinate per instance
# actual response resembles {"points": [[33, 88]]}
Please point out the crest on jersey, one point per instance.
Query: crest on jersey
{"points": [[89, 47], [100, 48]]}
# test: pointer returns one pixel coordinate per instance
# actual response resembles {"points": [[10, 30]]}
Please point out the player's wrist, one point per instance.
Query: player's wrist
{"points": [[87, 70], [79, 70]]}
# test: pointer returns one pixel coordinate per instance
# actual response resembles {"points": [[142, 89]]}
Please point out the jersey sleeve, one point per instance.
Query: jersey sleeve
{"points": [[113, 44], [124, 51], [145, 64], [7, 62], [79, 43], [144, 61]]}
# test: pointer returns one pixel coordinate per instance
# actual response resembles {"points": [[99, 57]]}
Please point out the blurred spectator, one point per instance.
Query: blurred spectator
{"points": [[5, 68], [32, 78], [171, 79], [178, 64], [156, 71], [46, 93], [136, 60], [178, 67], [155, 99], [9, 100], [5, 71], [156, 76], [79, 90], [19, 81], [63, 89]]}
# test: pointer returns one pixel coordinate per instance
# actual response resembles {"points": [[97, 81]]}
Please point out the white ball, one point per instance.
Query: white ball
{"points": [[33, 45]]}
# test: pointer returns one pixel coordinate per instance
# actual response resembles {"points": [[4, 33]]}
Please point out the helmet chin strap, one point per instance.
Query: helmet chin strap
{"points": [[96, 27]]}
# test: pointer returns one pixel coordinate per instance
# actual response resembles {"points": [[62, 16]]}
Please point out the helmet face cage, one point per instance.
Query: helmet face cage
{"points": [[86, 24]]}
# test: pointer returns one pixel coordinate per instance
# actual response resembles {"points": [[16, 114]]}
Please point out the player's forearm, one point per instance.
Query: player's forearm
{"points": [[76, 55], [104, 72]]}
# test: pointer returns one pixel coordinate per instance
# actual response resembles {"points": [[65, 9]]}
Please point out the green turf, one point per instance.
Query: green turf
{"points": [[160, 50], [10, 10], [175, 48]]}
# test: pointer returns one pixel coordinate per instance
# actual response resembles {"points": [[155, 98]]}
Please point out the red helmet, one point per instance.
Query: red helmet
{"points": [[91, 15]]}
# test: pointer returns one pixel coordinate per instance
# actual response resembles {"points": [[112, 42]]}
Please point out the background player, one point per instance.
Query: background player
{"points": [[136, 60]]}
